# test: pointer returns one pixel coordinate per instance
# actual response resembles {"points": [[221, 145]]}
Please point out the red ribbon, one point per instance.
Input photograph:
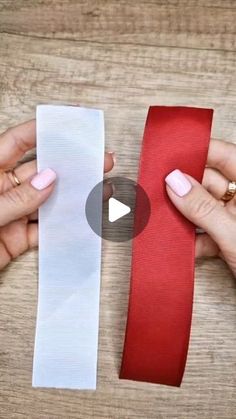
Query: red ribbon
{"points": [[161, 294]]}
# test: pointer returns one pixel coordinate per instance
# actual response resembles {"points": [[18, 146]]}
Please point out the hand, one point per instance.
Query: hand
{"points": [[19, 204], [202, 204]]}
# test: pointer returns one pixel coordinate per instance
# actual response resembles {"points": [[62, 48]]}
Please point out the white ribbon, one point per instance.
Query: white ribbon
{"points": [[70, 140]]}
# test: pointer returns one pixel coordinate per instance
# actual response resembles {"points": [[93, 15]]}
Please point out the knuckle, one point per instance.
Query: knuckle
{"points": [[202, 208], [14, 197], [20, 142], [20, 197]]}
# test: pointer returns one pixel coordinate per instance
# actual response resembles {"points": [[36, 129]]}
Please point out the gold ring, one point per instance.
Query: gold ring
{"points": [[231, 191], [14, 179]]}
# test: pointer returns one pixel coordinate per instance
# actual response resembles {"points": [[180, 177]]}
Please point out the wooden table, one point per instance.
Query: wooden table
{"points": [[121, 56]]}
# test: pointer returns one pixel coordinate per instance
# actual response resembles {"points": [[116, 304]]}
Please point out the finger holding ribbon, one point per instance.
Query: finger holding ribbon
{"points": [[212, 204], [23, 190]]}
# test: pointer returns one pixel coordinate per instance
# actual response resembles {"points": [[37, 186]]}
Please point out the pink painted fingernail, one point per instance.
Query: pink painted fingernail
{"points": [[113, 156], [178, 182], [43, 179]]}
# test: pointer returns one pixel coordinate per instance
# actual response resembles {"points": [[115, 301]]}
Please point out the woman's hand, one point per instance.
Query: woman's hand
{"points": [[203, 205], [19, 204]]}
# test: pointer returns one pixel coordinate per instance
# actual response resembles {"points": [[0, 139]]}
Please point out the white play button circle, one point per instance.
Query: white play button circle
{"points": [[117, 210]]}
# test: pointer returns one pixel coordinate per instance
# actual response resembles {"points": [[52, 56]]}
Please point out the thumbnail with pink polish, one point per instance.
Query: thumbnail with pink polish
{"points": [[43, 179], [178, 182]]}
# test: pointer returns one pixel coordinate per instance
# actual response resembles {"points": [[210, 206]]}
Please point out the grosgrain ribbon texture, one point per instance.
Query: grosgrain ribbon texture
{"points": [[70, 140], [162, 275]]}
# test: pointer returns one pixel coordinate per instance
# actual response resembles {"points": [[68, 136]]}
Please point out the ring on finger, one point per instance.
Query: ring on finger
{"points": [[14, 178], [231, 191]]}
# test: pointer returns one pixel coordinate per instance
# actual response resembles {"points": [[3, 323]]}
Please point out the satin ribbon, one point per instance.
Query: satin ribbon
{"points": [[70, 140], [162, 278]]}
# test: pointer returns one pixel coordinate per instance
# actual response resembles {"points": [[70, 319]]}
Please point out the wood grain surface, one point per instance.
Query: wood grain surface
{"points": [[121, 56]]}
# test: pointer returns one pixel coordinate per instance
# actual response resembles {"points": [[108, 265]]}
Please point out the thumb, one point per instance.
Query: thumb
{"points": [[200, 207], [26, 198]]}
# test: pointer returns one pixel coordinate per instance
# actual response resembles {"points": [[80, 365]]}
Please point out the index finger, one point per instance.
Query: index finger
{"points": [[15, 142], [222, 156]]}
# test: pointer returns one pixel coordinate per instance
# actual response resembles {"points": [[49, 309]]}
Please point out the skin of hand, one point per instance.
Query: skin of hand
{"points": [[203, 206], [19, 204]]}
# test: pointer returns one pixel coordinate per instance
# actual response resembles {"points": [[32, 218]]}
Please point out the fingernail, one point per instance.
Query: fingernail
{"points": [[109, 182], [178, 182], [43, 179], [113, 156]]}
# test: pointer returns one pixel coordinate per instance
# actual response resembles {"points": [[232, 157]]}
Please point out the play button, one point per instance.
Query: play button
{"points": [[116, 210], [119, 210]]}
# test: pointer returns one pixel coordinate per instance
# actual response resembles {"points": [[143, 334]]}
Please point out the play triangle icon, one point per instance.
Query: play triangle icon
{"points": [[117, 210]]}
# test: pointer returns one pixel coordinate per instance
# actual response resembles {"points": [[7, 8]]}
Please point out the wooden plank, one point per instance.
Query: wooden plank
{"points": [[183, 23]]}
